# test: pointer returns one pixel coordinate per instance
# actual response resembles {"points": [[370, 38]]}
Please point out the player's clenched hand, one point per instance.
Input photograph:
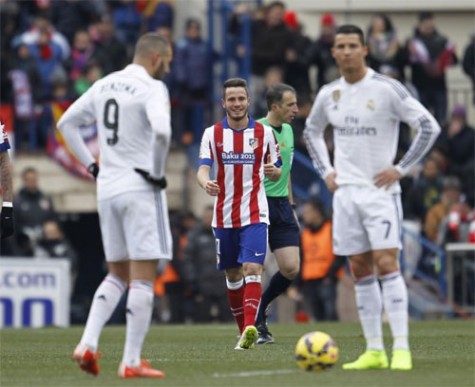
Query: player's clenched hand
{"points": [[271, 171], [157, 182], [387, 177], [212, 188], [330, 181], [6, 222], [93, 170]]}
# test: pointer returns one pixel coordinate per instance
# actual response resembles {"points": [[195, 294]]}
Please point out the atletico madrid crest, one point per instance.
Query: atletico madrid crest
{"points": [[253, 143]]}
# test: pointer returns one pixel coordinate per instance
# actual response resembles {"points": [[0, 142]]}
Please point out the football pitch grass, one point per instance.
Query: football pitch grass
{"points": [[203, 355]]}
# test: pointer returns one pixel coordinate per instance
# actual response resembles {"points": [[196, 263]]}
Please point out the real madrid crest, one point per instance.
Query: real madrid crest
{"points": [[336, 94], [370, 104]]}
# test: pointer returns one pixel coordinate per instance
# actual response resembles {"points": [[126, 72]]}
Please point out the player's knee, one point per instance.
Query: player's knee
{"points": [[234, 275], [360, 269], [387, 264], [289, 264], [252, 269], [290, 272], [120, 270]]}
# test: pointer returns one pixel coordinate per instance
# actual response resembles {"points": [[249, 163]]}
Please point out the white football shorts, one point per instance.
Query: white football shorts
{"points": [[135, 225], [365, 219]]}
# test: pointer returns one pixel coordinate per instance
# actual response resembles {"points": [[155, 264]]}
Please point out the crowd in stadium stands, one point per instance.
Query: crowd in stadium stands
{"points": [[53, 51], [278, 54]]}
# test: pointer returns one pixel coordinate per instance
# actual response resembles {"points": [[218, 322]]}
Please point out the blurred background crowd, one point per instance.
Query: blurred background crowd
{"points": [[52, 51]]}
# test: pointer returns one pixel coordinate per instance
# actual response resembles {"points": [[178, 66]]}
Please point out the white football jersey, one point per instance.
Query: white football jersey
{"points": [[130, 108], [238, 157], [365, 117]]}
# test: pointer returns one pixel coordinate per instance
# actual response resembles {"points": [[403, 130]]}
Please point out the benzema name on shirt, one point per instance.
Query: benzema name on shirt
{"points": [[118, 86]]}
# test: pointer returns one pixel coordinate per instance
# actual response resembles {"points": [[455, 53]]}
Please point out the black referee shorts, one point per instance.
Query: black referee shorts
{"points": [[283, 229]]}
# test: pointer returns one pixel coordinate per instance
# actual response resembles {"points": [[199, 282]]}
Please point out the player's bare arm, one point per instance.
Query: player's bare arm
{"points": [[210, 186], [330, 181], [387, 177], [6, 177], [271, 171]]}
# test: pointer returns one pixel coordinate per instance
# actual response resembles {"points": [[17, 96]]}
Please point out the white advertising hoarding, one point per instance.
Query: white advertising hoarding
{"points": [[34, 293]]}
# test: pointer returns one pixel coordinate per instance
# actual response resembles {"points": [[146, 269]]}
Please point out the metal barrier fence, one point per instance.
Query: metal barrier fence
{"points": [[454, 266], [438, 284], [460, 270]]}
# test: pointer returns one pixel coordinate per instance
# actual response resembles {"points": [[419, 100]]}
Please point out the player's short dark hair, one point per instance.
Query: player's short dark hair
{"points": [[275, 93], [150, 43], [347, 29], [234, 82]]}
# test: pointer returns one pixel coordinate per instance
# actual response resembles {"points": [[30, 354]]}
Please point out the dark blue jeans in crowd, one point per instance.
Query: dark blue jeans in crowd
{"points": [[436, 102], [320, 297]]}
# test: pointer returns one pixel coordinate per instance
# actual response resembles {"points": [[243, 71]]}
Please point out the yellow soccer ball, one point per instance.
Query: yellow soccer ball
{"points": [[316, 351]]}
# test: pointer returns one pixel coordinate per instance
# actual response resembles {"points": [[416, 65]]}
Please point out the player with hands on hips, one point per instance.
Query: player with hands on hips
{"points": [[365, 109]]}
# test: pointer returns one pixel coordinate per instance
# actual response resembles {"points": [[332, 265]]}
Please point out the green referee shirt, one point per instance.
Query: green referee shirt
{"points": [[285, 139]]}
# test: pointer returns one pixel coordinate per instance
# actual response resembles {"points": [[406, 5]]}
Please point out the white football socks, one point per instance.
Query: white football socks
{"points": [[396, 307], [139, 316], [369, 303], [105, 301]]}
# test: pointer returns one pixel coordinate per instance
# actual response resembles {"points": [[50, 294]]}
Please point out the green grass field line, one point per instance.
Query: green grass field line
{"points": [[203, 355]]}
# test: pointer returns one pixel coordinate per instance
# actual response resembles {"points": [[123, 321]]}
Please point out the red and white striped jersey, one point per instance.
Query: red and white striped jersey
{"points": [[238, 157]]}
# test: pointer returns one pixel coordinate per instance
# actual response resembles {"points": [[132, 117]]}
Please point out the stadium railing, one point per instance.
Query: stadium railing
{"points": [[460, 269], [438, 283]]}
